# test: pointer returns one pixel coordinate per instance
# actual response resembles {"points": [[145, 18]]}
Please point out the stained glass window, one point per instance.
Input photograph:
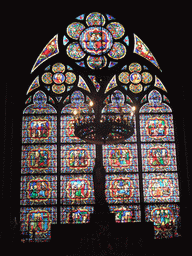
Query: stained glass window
{"points": [[120, 158], [163, 216], [160, 187], [38, 221], [77, 163], [76, 214], [122, 188], [77, 189], [57, 181], [157, 128], [126, 213], [38, 190], [39, 129], [159, 157], [38, 185], [159, 166]]}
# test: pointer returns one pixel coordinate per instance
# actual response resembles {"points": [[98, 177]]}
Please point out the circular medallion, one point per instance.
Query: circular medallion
{"points": [[134, 67], [97, 62], [58, 89], [95, 19], [74, 30], [136, 88], [96, 40], [118, 51], [74, 51], [47, 78], [58, 67], [124, 77], [116, 29], [70, 78], [135, 78], [146, 77], [58, 78]]}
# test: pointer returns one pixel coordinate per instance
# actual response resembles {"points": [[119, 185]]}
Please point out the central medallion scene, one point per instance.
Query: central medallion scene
{"points": [[96, 40]]}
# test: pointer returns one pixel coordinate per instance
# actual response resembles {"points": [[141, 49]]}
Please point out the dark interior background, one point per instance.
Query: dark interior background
{"points": [[26, 29]]}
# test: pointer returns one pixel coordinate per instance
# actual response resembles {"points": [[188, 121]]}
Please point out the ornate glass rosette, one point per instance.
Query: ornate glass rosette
{"points": [[135, 78], [58, 78], [95, 41]]}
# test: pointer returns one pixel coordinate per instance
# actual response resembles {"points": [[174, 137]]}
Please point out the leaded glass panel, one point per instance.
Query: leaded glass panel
{"points": [[160, 187], [120, 158], [77, 189], [38, 190], [37, 220], [76, 214], [78, 158], [126, 213], [163, 216], [39, 159], [123, 188], [39, 129], [158, 157], [157, 128]]}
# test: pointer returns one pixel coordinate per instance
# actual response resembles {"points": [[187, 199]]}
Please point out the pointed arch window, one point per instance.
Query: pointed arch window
{"points": [[159, 165], [57, 168], [38, 190]]}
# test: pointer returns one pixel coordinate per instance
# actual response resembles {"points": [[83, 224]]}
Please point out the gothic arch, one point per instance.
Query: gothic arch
{"points": [[57, 168]]}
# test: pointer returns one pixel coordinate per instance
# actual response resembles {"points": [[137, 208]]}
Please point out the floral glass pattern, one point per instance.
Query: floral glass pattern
{"points": [[96, 41], [57, 168], [136, 79], [58, 78]]}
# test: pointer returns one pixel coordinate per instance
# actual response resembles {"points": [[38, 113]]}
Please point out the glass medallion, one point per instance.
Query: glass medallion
{"points": [[70, 78], [58, 67], [135, 67], [74, 51], [95, 19], [96, 40], [97, 62], [124, 77], [118, 51], [135, 78], [74, 30], [136, 88], [58, 89], [47, 78], [116, 29], [58, 78], [146, 77]]}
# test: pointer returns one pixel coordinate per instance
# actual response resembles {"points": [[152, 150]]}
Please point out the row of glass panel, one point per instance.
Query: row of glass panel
{"points": [[36, 222], [80, 158], [79, 189], [43, 129]]}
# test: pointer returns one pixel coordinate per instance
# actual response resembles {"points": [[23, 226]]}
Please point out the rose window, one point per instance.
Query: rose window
{"points": [[59, 79], [136, 79], [96, 43]]}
